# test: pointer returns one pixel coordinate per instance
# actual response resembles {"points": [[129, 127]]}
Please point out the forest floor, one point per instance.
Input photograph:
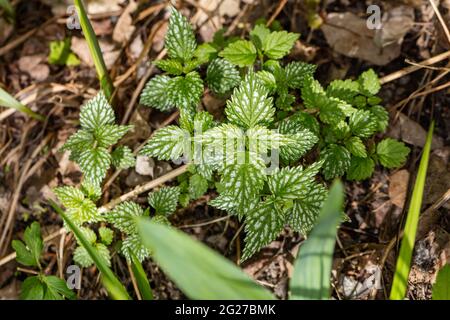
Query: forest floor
{"points": [[131, 35]]}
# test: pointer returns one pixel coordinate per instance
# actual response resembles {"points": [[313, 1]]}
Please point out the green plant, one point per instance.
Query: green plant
{"points": [[441, 288], [399, 284], [41, 286], [281, 130], [8, 101], [60, 53]]}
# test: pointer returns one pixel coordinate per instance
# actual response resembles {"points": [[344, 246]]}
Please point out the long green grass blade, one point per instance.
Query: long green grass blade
{"points": [[441, 288], [399, 285], [141, 278], [312, 268], [8, 101], [110, 281], [198, 271], [96, 53], [8, 8]]}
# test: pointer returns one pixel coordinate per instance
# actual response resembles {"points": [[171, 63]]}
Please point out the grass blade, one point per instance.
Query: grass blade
{"points": [[441, 288], [399, 285], [96, 53], [141, 278], [198, 271], [312, 268], [8, 101], [110, 281], [8, 8]]}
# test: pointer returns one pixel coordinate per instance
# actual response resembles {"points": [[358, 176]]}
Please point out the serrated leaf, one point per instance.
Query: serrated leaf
{"points": [[277, 44], [32, 289], [244, 183], [330, 110], [197, 186], [165, 200], [56, 288], [180, 39], [297, 72], [336, 132], [306, 121], [108, 135], [360, 168], [155, 94], [123, 216], [134, 244], [260, 139], [123, 158], [303, 138], [336, 161], [80, 140], [362, 124], [205, 52], [29, 251], [79, 208], [222, 76], [170, 66], [293, 183], [83, 259], [369, 82], [268, 80], [303, 215], [259, 35], [345, 90], [168, 143], [250, 105], [96, 113], [356, 147], [262, 225], [94, 163], [106, 235], [90, 190], [241, 53], [185, 92], [381, 117], [203, 121], [392, 153], [224, 201], [313, 93]]}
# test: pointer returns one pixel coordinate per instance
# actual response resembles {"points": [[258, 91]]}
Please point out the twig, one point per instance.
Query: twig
{"points": [[280, 7], [441, 20]]}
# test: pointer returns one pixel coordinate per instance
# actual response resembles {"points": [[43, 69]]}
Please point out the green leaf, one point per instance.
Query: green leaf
{"points": [[155, 93], [441, 288], [259, 35], [241, 53], [133, 245], [79, 141], [180, 39], [60, 53], [185, 92], [369, 82], [277, 44], [330, 110], [79, 208], [204, 274], [381, 117], [141, 278], [123, 216], [90, 190], [113, 285], [297, 72], [305, 210], [29, 252], [198, 186], [106, 235], [123, 158], [392, 153], [250, 105], [96, 113], [165, 200], [108, 135], [205, 52], [360, 168], [260, 140], [32, 289], [363, 124], [312, 268], [336, 161], [94, 163], [168, 143], [263, 224], [56, 289], [170, 66], [345, 90], [356, 147], [8, 101], [313, 94], [222, 76], [304, 140], [306, 121], [402, 269], [243, 182], [268, 80], [82, 257]]}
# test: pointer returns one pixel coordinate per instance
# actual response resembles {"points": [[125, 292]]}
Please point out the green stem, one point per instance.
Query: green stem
{"points": [[96, 53]]}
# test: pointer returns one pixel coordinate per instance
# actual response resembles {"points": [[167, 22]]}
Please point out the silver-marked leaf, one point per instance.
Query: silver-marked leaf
{"points": [[336, 161], [165, 200], [123, 216], [185, 92], [222, 76], [155, 93], [180, 39], [96, 113], [94, 163], [134, 244], [168, 143], [363, 124], [356, 147], [123, 158]]}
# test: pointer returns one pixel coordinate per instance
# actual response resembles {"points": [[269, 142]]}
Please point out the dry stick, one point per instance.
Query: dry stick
{"points": [[441, 20], [276, 13], [403, 72], [127, 196]]}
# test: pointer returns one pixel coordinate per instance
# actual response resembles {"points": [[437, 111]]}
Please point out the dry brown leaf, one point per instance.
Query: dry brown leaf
{"points": [[35, 66], [124, 27], [398, 186], [81, 49]]}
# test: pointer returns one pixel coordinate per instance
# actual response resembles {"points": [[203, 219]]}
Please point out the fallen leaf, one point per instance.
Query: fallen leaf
{"points": [[349, 35], [103, 6], [35, 66], [398, 186], [81, 49], [145, 166], [124, 27]]}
